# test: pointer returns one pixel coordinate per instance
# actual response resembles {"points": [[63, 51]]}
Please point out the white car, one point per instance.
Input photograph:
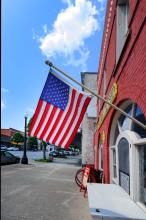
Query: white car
{"points": [[3, 147], [13, 149]]}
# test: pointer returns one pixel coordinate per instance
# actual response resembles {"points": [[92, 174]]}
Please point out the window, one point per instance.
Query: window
{"points": [[122, 25], [142, 193], [124, 170], [138, 114], [128, 152], [100, 154], [114, 163]]}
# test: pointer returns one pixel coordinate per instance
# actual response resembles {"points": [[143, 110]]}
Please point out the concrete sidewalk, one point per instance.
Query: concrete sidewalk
{"points": [[41, 191]]}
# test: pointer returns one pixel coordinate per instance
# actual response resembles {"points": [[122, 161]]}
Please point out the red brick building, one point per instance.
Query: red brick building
{"points": [[120, 144], [6, 135]]}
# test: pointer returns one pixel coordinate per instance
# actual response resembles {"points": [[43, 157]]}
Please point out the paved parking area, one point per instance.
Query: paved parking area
{"points": [[41, 191]]}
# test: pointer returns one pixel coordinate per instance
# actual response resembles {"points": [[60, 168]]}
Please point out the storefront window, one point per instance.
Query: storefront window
{"points": [[116, 133], [125, 121], [114, 163], [100, 154], [143, 174], [128, 152], [124, 171], [138, 114]]}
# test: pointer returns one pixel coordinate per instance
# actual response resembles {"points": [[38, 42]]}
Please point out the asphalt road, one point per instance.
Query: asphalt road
{"points": [[32, 155], [41, 191]]}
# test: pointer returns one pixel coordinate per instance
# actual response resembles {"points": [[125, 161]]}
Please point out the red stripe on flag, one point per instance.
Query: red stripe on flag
{"points": [[78, 122], [55, 125], [39, 105], [48, 123], [42, 119], [72, 120], [66, 117]]}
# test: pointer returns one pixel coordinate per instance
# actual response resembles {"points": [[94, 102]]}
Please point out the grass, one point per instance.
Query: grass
{"points": [[45, 161]]}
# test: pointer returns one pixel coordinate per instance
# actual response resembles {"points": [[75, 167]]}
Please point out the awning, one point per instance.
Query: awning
{"points": [[110, 201]]}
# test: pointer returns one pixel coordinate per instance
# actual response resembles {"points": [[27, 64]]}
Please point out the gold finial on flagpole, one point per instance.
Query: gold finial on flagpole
{"points": [[47, 62]]}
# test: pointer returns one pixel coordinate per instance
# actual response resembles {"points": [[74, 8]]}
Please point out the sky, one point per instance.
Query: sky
{"points": [[66, 32]]}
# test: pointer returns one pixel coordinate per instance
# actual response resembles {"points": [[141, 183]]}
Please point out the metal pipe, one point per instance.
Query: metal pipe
{"points": [[47, 62]]}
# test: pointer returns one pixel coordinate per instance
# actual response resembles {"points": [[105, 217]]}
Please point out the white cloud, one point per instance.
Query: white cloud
{"points": [[70, 30]]}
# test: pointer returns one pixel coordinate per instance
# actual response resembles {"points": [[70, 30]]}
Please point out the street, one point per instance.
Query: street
{"points": [[41, 191], [32, 155]]}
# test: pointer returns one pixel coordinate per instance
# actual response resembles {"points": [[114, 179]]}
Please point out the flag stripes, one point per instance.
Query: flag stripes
{"points": [[64, 117], [58, 126]]}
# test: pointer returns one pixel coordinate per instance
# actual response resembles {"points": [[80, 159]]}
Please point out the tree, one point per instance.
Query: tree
{"points": [[44, 144], [17, 138], [32, 143]]}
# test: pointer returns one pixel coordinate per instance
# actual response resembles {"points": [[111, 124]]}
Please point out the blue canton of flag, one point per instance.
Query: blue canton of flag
{"points": [[55, 92]]}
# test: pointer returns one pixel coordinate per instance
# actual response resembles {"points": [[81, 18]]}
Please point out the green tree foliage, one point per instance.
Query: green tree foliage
{"points": [[44, 144], [17, 138], [31, 139], [32, 143]]}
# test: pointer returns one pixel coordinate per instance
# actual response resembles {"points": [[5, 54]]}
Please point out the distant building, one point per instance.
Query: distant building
{"points": [[6, 135], [89, 79]]}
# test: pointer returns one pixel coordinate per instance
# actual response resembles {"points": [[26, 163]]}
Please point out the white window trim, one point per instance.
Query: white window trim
{"points": [[100, 154], [134, 141], [124, 36]]}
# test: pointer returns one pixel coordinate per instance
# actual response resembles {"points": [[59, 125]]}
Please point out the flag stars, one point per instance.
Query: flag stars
{"points": [[55, 92]]}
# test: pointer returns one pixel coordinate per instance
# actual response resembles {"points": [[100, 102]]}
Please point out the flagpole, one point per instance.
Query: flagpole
{"points": [[47, 62]]}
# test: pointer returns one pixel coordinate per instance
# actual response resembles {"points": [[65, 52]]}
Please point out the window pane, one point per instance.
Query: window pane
{"points": [[116, 134], [142, 173], [140, 117], [122, 26], [100, 154], [125, 121], [115, 172], [114, 156], [123, 153], [8, 154]]}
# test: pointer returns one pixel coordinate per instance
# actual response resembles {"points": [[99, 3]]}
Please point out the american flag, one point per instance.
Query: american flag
{"points": [[59, 112]]}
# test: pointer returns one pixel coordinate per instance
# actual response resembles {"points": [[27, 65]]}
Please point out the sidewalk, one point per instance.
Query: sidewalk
{"points": [[41, 191]]}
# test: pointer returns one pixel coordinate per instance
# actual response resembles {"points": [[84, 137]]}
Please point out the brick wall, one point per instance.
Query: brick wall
{"points": [[129, 72]]}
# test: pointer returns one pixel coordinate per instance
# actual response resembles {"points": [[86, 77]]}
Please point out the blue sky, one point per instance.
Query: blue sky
{"points": [[67, 32]]}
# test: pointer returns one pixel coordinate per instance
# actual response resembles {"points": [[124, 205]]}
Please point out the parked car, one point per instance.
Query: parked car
{"points": [[8, 158], [3, 147], [34, 148], [67, 153], [61, 154], [71, 153], [13, 148], [54, 153]]}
